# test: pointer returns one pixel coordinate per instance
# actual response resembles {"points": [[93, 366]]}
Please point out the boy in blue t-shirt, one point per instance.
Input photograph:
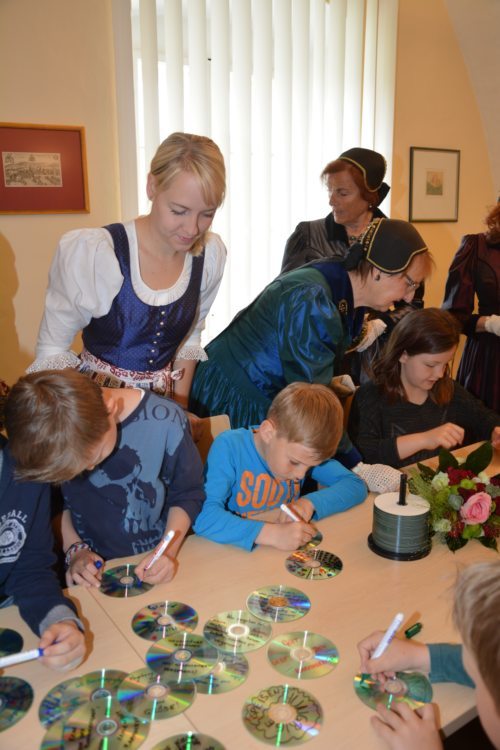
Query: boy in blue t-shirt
{"points": [[128, 466], [250, 470]]}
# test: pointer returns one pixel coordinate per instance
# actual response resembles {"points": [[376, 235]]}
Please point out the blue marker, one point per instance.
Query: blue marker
{"points": [[7, 661]]}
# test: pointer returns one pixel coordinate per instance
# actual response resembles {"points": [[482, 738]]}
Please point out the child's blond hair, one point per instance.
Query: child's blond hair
{"points": [[476, 612], [53, 420], [309, 414]]}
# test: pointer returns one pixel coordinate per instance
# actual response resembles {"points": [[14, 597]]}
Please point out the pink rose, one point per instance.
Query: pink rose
{"points": [[476, 509]]}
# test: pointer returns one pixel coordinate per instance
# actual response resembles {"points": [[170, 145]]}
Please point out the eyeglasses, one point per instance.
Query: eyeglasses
{"points": [[413, 285]]}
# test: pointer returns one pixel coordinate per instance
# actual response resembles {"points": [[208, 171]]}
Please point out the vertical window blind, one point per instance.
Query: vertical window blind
{"points": [[282, 86]]}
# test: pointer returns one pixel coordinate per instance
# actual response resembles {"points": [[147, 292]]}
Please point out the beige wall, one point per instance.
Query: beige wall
{"points": [[436, 108], [56, 67]]}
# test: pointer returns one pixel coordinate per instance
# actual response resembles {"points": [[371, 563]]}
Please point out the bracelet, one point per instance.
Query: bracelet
{"points": [[72, 550]]}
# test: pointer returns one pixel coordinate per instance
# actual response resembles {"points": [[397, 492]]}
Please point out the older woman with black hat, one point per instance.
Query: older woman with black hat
{"points": [[300, 325], [356, 187]]}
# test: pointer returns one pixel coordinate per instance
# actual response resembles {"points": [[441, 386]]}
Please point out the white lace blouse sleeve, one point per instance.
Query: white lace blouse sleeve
{"points": [[213, 269], [84, 279]]}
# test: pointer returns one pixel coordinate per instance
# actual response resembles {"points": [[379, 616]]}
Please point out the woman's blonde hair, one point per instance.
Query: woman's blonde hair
{"points": [[197, 154], [475, 614], [309, 414]]}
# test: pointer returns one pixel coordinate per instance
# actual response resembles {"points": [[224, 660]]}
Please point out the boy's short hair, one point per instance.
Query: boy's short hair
{"points": [[475, 614], [53, 419], [309, 414]]}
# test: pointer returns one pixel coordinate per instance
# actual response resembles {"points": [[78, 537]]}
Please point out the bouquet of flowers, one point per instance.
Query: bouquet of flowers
{"points": [[465, 502]]}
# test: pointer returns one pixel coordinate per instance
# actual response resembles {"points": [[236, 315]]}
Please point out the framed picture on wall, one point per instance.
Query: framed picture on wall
{"points": [[434, 179], [43, 169]]}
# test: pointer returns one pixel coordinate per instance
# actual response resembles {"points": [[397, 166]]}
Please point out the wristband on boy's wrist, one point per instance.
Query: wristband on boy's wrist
{"points": [[72, 550]]}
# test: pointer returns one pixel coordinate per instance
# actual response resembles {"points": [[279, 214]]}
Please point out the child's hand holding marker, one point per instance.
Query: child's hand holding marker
{"points": [[85, 568], [158, 567], [398, 654]]}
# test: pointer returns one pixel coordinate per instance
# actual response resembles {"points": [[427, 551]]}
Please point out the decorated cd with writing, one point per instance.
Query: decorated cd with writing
{"points": [[121, 582], [302, 655], [16, 697], [229, 673], [158, 620], [278, 603], [69, 695], [97, 726], [182, 656], [149, 696], [313, 564], [411, 688], [283, 716], [237, 631]]}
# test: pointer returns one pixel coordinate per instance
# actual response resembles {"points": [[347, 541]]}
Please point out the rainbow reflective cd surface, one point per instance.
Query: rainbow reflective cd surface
{"points": [[11, 642], [302, 655], [69, 695], [149, 696], [182, 656], [237, 631], [411, 688], [313, 564], [122, 582], [229, 673], [315, 541], [189, 741], [161, 619], [283, 716], [96, 726], [16, 697], [278, 603]]}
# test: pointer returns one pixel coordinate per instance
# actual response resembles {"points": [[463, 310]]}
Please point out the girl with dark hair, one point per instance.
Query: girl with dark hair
{"points": [[413, 407], [475, 273]]}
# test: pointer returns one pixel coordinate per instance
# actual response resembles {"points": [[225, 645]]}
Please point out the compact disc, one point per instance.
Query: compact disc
{"points": [[302, 655], [229, 673], [313, 563], [283, 715], [278, 604], [69, 695], [159, 620], [96, 726], [237, 631], [122, 582], [182, 656], [11, 642], [315, 541], [16, 697], [189, 741], [148, 695], [412, 688]]}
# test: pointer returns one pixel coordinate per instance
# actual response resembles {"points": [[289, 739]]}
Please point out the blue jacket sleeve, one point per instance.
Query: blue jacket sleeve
{"points": [[447, 665], [340, 489], [216, 521]]}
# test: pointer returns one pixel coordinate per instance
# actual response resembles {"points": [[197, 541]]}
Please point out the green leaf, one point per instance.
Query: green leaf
{"points": [[472, 531], [479, 459], [489, 541], [446, 460], [426, 471], [455, 542]]}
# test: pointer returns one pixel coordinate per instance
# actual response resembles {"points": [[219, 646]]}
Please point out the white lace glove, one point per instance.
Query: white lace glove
{"points": [[342, 385], [59, 361], [378, 477], [374, 329], [492, 324]]}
